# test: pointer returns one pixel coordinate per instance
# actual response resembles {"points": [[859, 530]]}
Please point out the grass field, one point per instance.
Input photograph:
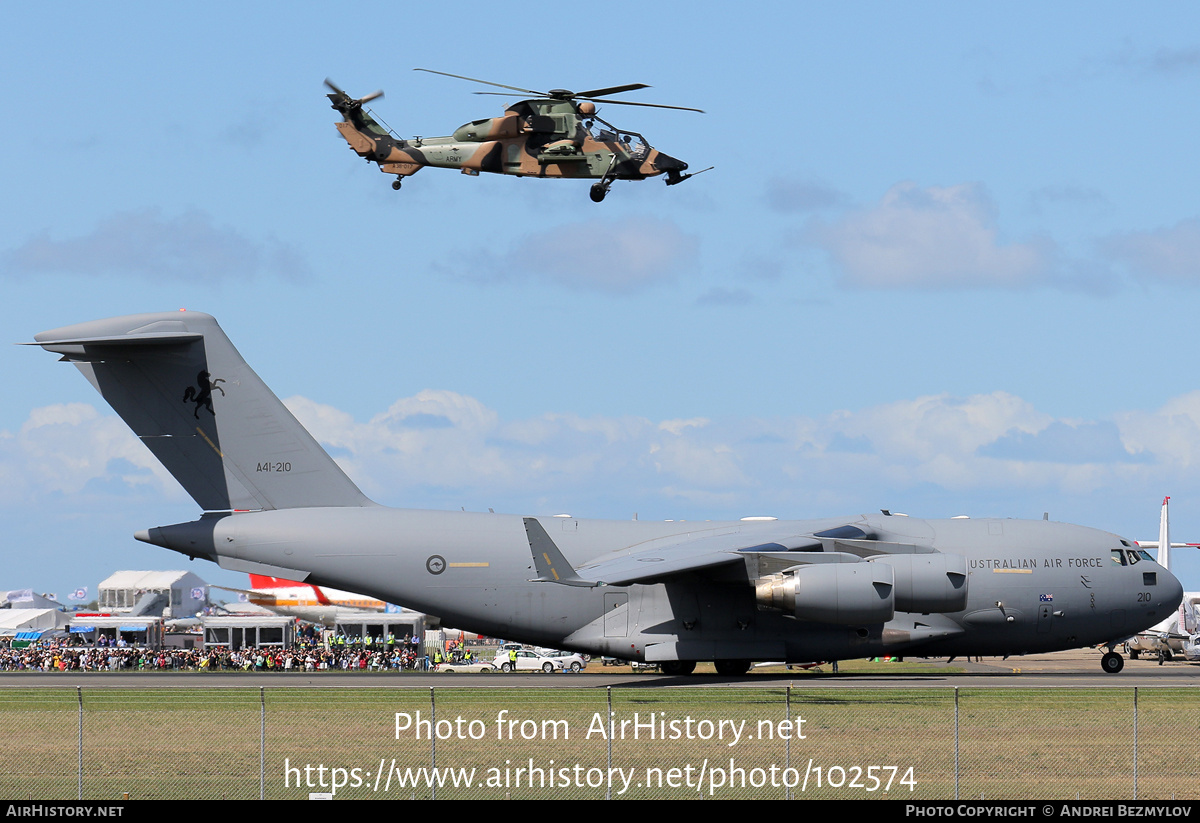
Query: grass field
{"points": [[666, 743]]}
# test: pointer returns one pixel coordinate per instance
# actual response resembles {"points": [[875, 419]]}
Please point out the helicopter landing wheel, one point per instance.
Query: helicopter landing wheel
{"points": [[598, 191], [396, 184]]}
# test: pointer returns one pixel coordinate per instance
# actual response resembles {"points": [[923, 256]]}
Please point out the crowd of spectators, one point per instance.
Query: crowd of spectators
{"points": [[307, 657]]}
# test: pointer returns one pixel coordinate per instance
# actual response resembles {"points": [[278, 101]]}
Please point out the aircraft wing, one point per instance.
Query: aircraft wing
{"points": [[779, 548], [648, 565]]}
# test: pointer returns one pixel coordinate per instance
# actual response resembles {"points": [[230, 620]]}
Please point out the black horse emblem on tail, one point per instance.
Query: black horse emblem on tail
{"points": [[203, 396]]}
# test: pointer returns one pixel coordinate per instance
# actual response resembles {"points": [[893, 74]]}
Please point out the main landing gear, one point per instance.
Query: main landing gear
{"points": [[1112, 662], [731, 668], [396, 184], [600, 188]]}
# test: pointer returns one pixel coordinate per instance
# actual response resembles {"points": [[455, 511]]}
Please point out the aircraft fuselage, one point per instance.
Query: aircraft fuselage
{"points": [[1032, 586]]}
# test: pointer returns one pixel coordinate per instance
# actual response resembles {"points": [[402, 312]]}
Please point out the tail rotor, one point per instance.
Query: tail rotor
{"points": [[344, 103]]}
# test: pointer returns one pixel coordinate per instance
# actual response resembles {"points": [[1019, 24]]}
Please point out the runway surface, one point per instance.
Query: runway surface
{"points": [[1075, 669]]}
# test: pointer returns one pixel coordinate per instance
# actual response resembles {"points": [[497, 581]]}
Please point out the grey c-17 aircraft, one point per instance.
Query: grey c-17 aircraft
{"points": [[671, 593]]}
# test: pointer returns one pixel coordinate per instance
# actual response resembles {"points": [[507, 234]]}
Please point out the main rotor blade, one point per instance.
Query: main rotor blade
{"points": [[373, 95], [646, 105], [333, 86], [486, 82], [611, 90]]}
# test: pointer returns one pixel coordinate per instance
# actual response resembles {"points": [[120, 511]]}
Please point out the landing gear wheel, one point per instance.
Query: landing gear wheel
{"points": [[396, 184], [1133, 654], [732, 667], [1112, 662], [677, 667], [598, 191]]}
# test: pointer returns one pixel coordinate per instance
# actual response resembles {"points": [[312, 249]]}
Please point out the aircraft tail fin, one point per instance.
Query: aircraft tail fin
{"points": [[1164, 536], [179, 383]]}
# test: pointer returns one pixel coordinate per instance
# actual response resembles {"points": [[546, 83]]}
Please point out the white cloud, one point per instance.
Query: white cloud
{"points": [[1171, 434], [929, 426], [697, 461], [614, 256], [935, 237], [65, 448], [440, 449], [145, 244], [678, 426], [1170, 255], [989, 442]]}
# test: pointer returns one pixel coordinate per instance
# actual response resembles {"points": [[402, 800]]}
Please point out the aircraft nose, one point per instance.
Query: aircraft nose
{"points": [[667, 163], [1170, 588]]}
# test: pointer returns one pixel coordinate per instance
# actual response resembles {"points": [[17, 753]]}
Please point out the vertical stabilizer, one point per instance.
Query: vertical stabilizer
{"points": [[1164, 537], [182, 387]]}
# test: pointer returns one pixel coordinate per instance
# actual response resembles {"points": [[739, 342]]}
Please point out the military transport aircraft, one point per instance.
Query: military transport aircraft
{"points": [[672, 593]]}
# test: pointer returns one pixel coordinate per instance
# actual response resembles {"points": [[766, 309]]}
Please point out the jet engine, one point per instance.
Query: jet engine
{"points": [[868, 592], [842, 593], [928, 583]]}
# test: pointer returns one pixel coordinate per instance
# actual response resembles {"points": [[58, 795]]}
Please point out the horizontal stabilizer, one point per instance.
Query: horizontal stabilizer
{"points": [[72, 346]]}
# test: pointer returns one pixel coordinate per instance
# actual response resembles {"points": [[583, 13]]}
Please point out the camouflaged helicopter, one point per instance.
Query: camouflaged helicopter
{"points": [[553, 134]]}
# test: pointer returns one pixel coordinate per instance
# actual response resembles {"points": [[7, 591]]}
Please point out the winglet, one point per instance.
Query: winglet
{"points": [[549, 562]]}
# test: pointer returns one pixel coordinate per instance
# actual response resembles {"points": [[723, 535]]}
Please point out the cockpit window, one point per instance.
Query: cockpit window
{"points": [[1128, 557]]}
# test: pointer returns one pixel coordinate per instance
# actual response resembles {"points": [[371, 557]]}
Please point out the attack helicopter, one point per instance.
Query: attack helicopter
{"points": [[552, 134]]}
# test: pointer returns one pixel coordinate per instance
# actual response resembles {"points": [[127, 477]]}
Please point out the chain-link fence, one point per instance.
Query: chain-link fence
{"points": [[452, 743]]}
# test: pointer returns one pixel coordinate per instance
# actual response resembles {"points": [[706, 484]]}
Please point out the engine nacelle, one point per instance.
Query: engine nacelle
{"points": [[843, 593], [928, 583]]}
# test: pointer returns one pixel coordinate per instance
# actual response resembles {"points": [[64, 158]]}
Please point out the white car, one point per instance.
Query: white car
{"points": [[476, 665], [527, 660], [571, 661]]}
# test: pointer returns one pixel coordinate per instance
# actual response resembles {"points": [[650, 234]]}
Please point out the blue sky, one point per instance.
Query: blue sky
{"points": [[947, 262]]}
